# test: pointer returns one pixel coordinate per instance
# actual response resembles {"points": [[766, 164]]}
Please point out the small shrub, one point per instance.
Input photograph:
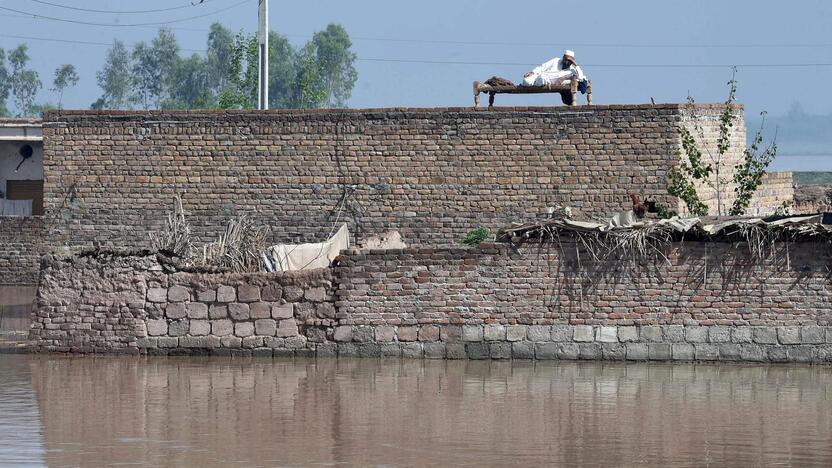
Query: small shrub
{"points": [[475, 236]]}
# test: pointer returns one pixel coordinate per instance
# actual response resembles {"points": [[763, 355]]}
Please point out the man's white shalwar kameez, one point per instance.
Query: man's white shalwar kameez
{"points": [[552, 73]]}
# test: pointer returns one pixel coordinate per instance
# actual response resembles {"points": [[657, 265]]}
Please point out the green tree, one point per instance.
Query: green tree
{"points": [[709, 168], [219, 56], [114, 79], [25, 83], [5, 84], [336, 63], [282, 71], [240, 91], [152, 67], [310, 87], [190, 85], [65, 77]]}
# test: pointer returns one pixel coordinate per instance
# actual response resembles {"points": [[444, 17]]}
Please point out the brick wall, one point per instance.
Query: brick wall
{"points": [[708, 301], [431, 173], [21, 242], [107, 303], [701, 283], [776, 191]]}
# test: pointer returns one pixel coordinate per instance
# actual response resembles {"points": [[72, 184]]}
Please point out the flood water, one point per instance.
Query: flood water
{"points": [[59, 411], [15, 309]]}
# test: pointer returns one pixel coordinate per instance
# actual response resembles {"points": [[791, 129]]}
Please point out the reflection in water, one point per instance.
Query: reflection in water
{"points": [[21, 440], [216, 412], [15, 309]]}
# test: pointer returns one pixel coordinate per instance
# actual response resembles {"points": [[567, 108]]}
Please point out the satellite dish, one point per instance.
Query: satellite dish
{"points": [[26, 152]]}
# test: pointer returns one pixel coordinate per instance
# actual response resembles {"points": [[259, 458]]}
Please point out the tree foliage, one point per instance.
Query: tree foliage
{"points": [[65, 77], [155, 74], [115, 78], [335, 63], [25, 82], [152, 67], [321, 73], [709, 168]]}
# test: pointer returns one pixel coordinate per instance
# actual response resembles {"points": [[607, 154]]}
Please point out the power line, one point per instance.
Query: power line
{"points": [[453, 62], [89, 23], [482, 43], [71, 41], [117, 12]]}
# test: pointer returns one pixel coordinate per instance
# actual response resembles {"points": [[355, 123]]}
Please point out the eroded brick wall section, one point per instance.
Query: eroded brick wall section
{"points": [[129, 304], [434, 174], [21, 243]]}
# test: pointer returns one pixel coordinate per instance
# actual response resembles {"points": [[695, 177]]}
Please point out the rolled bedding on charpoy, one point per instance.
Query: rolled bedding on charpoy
{"points": [[293, 257]]}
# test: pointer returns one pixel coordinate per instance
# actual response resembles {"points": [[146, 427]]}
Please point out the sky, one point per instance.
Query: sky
{"points": [[428, 53]]}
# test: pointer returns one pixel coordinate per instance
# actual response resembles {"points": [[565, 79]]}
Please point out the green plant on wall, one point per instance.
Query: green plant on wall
{"points": [[709, 168], [475, 236]]}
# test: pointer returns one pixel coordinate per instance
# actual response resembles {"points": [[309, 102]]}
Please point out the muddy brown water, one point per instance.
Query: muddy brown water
{"points": [[83, 411]]}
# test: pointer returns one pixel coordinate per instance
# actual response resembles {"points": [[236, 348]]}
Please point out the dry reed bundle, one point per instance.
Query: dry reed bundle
{"points": [[239, 248], [175, 237]]}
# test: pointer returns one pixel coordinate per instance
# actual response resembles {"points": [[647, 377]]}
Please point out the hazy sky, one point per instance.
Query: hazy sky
{"points": [[624, 46]]}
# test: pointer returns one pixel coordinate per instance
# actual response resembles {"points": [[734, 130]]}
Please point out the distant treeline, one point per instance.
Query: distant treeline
{"points": [[156, 75], [797, 132]]}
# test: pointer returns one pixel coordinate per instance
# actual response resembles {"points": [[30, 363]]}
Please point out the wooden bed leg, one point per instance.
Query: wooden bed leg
{"points": [[589, 93], [573, 88], [491, 99], [476, 94]]}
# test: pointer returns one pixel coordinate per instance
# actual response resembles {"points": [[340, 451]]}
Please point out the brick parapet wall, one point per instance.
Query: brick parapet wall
{"points": [[21, 244], [776, 192], [433, 174]]}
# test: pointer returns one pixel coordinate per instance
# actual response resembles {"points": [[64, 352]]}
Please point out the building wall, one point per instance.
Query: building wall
{"points": [[708, 301], [101, 303], [21, 244], [434, 174], [31, 169], [694, 283]]}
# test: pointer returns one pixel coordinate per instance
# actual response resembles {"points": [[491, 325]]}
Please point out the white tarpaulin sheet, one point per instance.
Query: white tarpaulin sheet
{"points": [[627, 220], [292, 257]]}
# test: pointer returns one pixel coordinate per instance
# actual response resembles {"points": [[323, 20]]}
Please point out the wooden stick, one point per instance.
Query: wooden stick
{"points": [[589, 93], [573, 88]]}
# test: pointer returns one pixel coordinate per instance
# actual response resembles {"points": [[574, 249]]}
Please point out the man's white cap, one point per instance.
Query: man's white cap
{"points": [[569, 53]]}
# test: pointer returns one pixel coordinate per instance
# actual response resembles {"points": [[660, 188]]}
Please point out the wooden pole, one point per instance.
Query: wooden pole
{"points": [[573, 88], [589, 93]]}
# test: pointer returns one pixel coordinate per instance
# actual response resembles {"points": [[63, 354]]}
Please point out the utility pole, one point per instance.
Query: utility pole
{"points": [[263, 57]]}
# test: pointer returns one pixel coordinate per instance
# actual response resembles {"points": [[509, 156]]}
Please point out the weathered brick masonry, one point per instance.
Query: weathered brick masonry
{"points": [[700, 283], [21, 243], [107, 303], [433, 174], [708, 301]]}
